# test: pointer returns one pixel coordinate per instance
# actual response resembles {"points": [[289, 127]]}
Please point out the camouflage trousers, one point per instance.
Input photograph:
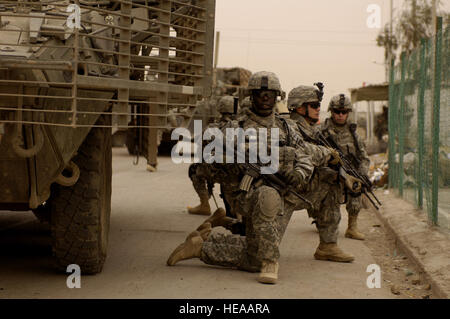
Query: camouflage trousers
{"points": [[354, 205], [231, 202], [199, 176], [267, 217], [325, 194]]}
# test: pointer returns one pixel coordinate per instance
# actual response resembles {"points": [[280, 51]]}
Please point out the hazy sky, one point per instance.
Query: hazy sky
{"points": [[303, 41]]}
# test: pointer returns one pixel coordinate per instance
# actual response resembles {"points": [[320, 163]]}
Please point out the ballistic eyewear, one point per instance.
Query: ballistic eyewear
{"points": [[340, 111], [314, 105], [270, 94]]}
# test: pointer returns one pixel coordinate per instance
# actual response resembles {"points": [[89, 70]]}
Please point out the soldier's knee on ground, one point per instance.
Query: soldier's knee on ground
{"points": [[269, 203]]}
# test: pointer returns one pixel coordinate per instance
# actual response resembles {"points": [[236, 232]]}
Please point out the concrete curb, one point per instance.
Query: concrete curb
{"points": [[427, 246]]}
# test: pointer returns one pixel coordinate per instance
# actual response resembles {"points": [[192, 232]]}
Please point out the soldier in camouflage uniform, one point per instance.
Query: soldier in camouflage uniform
{"points": [[202, 175], [244, 105], [267, 212], [344, 134], [324, 189]]}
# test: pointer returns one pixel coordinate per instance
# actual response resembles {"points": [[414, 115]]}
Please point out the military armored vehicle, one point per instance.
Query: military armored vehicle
{"points": [[68, 70]]}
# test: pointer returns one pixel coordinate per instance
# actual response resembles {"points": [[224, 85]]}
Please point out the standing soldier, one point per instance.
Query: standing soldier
{"points": [[266, 209], [200, 174], [344, 134], [324, 189]]}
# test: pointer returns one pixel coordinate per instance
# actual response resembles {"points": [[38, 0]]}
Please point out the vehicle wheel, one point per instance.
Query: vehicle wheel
{"points": [[80, 213]]}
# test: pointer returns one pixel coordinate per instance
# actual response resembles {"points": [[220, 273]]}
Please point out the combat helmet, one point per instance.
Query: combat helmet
{"points": [[226, 104], [303, 94], [340, 101], [264, 80]]}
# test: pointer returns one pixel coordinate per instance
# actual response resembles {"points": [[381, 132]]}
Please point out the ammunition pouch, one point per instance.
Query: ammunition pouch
{"points": [[247, 180]]}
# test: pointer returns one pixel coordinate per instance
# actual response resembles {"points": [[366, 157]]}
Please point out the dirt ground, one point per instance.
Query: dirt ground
{"points": [[398, 272]]}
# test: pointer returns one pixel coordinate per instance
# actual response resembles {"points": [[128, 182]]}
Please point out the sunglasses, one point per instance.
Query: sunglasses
{"points": [[340, 112], [314, 105]]}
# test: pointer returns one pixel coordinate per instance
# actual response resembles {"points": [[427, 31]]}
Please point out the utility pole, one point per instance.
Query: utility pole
{"points": [[391, 17], [414, 20], [390, 55], [433, 17], [216, 59]]}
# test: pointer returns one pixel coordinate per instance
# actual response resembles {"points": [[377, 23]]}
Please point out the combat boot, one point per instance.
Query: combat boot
{"points": [[218, 218], [331, 251], [204, 230], [203, 208], [352, 230], [191, 248], [268, 273]]}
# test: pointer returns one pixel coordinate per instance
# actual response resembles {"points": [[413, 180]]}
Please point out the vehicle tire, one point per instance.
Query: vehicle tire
{"points": [[80, 214]]}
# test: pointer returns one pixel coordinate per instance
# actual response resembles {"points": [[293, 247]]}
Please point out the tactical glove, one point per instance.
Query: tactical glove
{"points": [[334, 157], [353, 184]]}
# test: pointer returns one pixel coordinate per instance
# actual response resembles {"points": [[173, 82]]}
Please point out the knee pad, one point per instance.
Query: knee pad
{"points": [[269, 203]]}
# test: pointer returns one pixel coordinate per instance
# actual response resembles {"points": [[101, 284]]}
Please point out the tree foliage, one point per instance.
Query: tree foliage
{"points": [[412, 24], [388, 41]]}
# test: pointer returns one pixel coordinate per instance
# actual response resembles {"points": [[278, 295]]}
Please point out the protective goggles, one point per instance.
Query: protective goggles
{"points": [[314, 105], [336, 111], [270, 94]]}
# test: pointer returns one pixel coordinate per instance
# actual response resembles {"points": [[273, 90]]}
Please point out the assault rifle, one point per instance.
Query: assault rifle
{"points": [[346, 166], [253, 172]]}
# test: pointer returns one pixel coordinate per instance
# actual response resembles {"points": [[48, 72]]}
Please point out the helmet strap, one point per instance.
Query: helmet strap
{"points": [[307, 117], [311, 120]]}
